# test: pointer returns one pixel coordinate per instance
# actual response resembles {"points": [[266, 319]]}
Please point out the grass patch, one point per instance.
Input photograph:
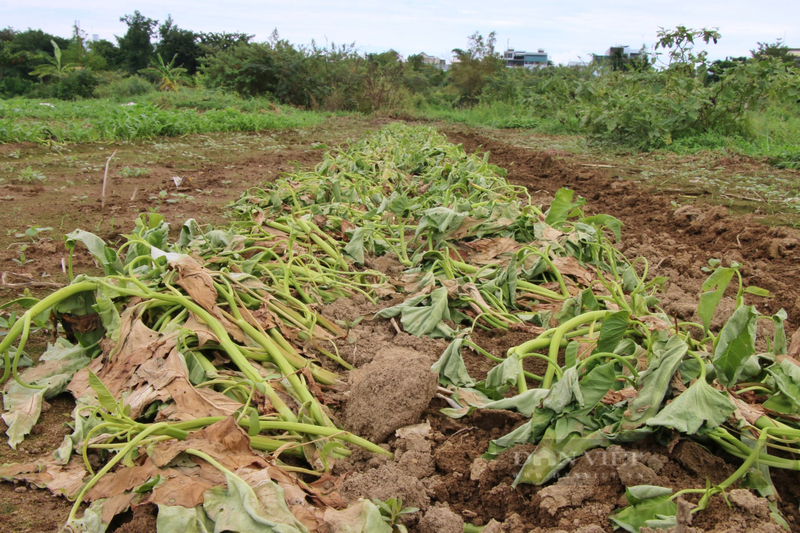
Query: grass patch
{"points": [[144, 117]]}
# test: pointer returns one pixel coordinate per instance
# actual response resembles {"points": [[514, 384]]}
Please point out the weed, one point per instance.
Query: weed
{"points": [[391, 510], [28, 174], [22, 260], [127, 172]]}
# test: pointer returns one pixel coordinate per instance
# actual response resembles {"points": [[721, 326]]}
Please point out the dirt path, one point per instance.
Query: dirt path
{"points": [[439, 468]]}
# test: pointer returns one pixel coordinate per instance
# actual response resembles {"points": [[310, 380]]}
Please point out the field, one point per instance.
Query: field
{"points": [[677, 212]]}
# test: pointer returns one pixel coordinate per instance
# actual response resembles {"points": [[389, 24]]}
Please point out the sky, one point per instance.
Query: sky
{"points": [[568, 31]]}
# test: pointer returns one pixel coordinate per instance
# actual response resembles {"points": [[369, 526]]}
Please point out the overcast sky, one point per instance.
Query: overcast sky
{"points": [[566, 30]]}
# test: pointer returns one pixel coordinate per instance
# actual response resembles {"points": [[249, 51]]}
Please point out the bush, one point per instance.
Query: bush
{"points": [[78, 84], [11, 87], [125, 88]]}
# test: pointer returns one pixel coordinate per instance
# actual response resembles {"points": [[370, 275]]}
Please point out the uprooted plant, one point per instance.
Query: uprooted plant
{"points": [[196, 359]]}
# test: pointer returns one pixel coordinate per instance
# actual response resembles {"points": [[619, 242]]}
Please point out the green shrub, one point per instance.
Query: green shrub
{"points": [[123, 88], [11, 87]]}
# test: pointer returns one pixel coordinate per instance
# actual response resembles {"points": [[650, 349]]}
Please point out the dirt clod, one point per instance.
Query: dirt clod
{"points": [[441, 520], [390, 392]]}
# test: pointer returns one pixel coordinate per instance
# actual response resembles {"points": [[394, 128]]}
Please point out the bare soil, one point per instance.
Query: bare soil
{"points": [[437, 465]]}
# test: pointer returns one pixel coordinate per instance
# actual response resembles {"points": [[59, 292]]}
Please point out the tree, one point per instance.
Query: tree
{"points": [[7, 34], [36, 41], [108, 51], [181, 45], [170, 74], [217, 42], [680, 44], [777, 50], [10, 59], [718, 68], [53, 68], [135, 49], [472, 67], [381, 81]]}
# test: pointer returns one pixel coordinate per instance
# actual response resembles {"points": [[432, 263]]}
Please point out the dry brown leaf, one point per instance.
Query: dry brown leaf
{"points": [[264, 317], [186, 485], [471, 398], [654, 323], [116, 505], [189, 403], [138, 344], [465, 228], [325, 490], [569, 266], [122, 480], [551, 234], [225, 441], [203, 332], [488, 250], [197, 282], [745, 411], [794, 345], [614, 397], [64, 480], [676, 382]]}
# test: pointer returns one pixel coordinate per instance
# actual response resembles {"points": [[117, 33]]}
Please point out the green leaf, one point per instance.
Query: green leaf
{"points": [[451, 367], [565, 391], [27, 406], [106, 257], [238, 508], [699, 406], [525, 403], [612, 223], [23, 405], [758, 291], [714, 288], [439, 219], [255, 424], [787, 379], [104, 396], [735, 345], [553, 454], [779, 341], [148, 485], [596, 384], [183, 520], [645, 502], [425, 320], [504, 375], [614, 327], [108, 314], [654, 384], [91, 521], [355, 248], [361, 517], [562, 207], [630, 279]]}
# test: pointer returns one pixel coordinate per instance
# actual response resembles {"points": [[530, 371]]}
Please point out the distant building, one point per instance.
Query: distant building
{"points": [[433, 61], [794, 52], [520, 58], [621, 52]]}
